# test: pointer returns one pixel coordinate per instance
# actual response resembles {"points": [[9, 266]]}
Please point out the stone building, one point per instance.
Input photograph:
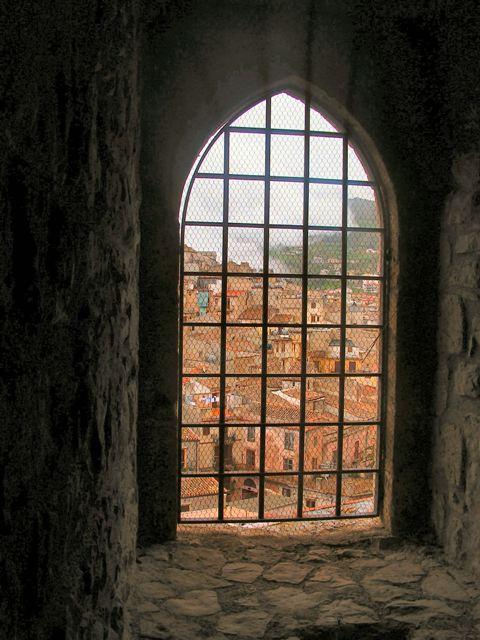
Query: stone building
{"points": [[104, 106]]}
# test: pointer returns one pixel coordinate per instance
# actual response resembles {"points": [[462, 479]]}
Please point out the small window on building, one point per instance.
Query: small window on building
{"points": [[356, 452], [286, 492], [206, 431], [289, 441], [184, 458], [309, 503], [314, 463], [250, 459], [251, 434], [184, 507], [228, 456], [352, 366], [287, 464]]}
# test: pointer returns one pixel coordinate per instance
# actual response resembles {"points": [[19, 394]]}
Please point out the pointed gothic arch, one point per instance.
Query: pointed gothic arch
{"points": [[283, 292]]}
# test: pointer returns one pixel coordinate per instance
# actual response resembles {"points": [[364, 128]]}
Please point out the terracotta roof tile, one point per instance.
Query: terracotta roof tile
{"points": [[189, 436], [197, 487]]}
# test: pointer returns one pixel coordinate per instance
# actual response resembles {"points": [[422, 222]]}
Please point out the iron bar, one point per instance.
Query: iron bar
{"points": [[298, 276], [285, 132], [288, 325], [282, 376], [259, 225], [343, 333], [303, 383], [358, 516], [265, 282], [276, 474], [223, 328], [261, 178], [281, 425]]}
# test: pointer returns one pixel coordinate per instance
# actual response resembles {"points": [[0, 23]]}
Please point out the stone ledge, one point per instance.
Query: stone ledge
{"points": [[297, 588]]}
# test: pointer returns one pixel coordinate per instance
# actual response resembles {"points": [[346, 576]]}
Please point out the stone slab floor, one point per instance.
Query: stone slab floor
{"points": [[231, 585]]}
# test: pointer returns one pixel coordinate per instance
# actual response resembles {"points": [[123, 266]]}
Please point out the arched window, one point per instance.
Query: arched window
{"points": [[282, 286]]}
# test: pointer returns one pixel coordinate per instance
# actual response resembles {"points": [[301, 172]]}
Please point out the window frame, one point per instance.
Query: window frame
{"points": [[382, 325]]}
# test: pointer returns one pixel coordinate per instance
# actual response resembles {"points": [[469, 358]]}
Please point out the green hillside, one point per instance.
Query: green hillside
{"points": [[325, 248], [362, 213]]}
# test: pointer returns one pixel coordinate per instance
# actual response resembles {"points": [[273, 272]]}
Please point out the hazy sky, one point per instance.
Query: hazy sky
{"points": [[246, 198]]}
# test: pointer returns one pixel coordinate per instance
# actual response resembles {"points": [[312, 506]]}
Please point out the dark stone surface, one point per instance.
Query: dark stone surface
{"points": [[456, 455], [69, 242], [358, 632]]}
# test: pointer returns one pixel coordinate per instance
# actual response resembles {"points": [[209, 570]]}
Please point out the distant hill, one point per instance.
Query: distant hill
{"points": [[362, 213], [325, 248]]}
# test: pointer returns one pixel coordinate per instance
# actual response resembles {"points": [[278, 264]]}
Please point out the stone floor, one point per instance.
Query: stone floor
{"points": [[225, 585]]}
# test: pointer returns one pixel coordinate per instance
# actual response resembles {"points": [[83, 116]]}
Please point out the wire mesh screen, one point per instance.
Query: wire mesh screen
{"points": [[282, 281]]}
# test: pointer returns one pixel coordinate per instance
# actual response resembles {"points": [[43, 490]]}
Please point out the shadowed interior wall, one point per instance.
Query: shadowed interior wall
{"points": [[456, 466], [456, 455], [69, 197], [383, 64]]}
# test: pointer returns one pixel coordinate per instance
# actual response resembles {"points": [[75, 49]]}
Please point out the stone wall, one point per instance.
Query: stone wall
{"points": [[456, 472], [456, 452], [69, 244]]}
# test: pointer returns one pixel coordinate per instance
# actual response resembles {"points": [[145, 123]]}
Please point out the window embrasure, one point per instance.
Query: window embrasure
{"points": [[282, 288]]}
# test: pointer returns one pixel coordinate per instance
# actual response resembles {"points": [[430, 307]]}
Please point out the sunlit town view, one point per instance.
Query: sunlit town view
{"points": [[281, 337]]}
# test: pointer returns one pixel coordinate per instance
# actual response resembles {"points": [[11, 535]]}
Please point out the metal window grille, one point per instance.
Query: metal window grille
{"points": [[281, 339]]}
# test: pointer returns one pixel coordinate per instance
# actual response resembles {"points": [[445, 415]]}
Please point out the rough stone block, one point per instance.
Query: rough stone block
{"points": [[442, 390], [399, 573], [346, 612], [465, 272], [466, 171], [287, 572], [198, 602], [439, 584], [457, 208], [420, 611], [468, 242], [452, 329], [449, 455], [292, 600], [331, 577], [200, 559], [467, 380], [381, 592], [155, 590], [473, 336], [185, 579], [248, 624], [242, 571]]}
